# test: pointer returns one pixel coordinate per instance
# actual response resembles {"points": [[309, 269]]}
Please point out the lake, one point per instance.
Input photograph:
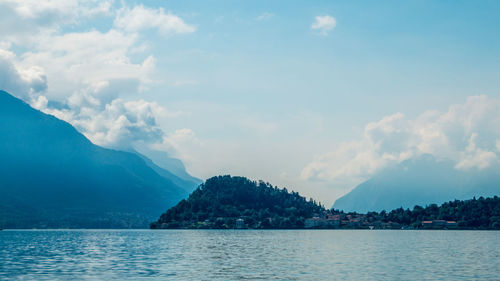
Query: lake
{"points": [[249, 255]]}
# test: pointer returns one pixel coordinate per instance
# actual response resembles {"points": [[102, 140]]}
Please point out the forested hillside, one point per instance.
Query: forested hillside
{"points": [[222, 200]]}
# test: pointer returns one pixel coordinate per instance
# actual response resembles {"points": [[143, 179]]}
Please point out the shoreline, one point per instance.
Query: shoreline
{"points": [[226, 229]]}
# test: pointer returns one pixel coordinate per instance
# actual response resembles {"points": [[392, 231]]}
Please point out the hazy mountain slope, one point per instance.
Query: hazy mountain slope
{"points": [[52, 176], [174, 166], [419, 181], [177, 175]]}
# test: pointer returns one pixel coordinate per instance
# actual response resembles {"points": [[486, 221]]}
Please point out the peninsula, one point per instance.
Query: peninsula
{"points": [[226, 202]]}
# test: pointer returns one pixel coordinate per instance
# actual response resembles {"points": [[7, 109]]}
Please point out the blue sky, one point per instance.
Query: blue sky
{"points": [[251, 88], [378, 60]]}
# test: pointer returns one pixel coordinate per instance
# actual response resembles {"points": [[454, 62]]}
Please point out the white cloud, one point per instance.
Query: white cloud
{"points": [[475, 157], [118, 125], [122, 123], [26, 21], [94, 76], [467, 133], [93, 61], [183, 144], [69, 9], [264, 16], [140, 18], [180, 137], [324, 24], [23, 81]]}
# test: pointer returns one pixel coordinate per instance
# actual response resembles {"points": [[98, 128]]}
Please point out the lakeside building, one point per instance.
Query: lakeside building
{"points": [[439, 224], [240, 223], [348, 221], [325, 222]]}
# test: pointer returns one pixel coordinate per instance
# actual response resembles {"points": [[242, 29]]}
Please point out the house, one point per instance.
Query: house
{"points": [[325, 222], [333, 222], [439, 224], [355, 222], [240, 224], [313, 222], [451, 224]]}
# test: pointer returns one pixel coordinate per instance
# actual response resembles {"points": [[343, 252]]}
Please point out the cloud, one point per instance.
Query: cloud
{"points": [[324, 24], [141, 18], [180, 137], [16, 79], [92, 74], [183, 144], [120, 124], [90, 78], [93, 61], [475, 157], [467, 134], [25, 21], [264, 16], [57, 9]]}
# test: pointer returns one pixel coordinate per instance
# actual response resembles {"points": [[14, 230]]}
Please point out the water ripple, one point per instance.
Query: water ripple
{"points": [[249, 255]]}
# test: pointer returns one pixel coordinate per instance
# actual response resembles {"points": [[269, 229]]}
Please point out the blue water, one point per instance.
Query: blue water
{"points": [[249, 255]]}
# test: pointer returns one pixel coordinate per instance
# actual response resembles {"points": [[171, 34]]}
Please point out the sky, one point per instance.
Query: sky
{"points": [[315, 96]]}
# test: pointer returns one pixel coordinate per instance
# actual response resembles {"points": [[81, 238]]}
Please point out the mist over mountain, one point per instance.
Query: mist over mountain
{"points": [[52, 176], [168, 167], [420, 181]]}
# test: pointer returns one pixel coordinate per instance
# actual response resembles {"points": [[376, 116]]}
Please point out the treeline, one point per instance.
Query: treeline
{"points": [[222, 200], [481, 213], [226, 202]]}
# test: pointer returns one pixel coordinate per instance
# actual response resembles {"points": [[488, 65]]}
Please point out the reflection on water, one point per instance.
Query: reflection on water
{"points": [[250, 254]]}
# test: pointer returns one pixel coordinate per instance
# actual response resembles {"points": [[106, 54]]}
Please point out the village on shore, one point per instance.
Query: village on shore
{"points": [[327, 220]]}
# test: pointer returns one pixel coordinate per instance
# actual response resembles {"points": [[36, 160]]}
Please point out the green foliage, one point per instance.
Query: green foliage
{"points": [[221, 200], [482, 213]]}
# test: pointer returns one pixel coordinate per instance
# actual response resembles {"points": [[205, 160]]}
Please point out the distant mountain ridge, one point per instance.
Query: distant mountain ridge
{"points": [[51, 176], [420, 181], [163, 160], [170, 168]]}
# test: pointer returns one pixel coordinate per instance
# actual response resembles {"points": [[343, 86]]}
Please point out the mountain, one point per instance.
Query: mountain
{"points": [[420, 181], [163, 160], [51, 176], [168, 167], [223, 201]]}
